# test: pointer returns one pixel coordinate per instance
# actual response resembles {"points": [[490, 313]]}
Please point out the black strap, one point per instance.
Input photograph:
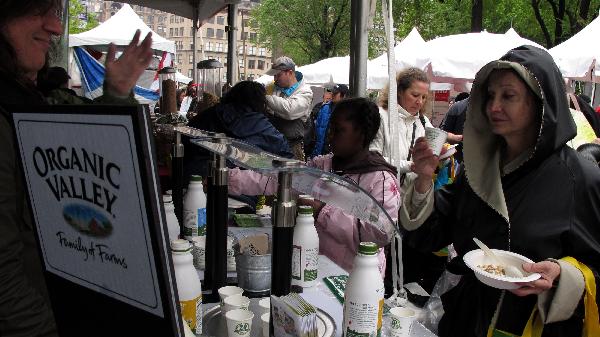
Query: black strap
{"points": [[412, 142]]}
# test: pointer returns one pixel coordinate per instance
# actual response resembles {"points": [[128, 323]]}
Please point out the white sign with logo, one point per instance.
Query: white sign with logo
{"points": [[87, 197]]}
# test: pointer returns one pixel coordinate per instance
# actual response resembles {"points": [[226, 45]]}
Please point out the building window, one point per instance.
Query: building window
{"points": [[251, 50], [172, 18], [220, 20], [191, 58], [252, 36], [210, 32], [208, 46], [241, 62], [181, 31], [260, 64], [150, 18], [245, 23], [244, 36], [179, 58], [251, 64], [262, 51], [211, 20], [220, 33], [170, 31], [219, 47], [240, 50], [190, 73]]}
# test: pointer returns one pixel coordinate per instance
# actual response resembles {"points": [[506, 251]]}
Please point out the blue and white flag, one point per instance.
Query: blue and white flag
{"points": [[92, 77]]}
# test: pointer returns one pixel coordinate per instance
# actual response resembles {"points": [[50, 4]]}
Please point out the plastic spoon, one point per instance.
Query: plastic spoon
{"points": [[510, 271]]}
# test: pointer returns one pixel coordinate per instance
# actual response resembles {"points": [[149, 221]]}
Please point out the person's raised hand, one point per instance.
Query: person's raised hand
{"points": [[424, 164], [123, 73], [548, 269]]}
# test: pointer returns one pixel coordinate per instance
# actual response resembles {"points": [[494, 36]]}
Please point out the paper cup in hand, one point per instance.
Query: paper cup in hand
{"points": [[227, 291], [402, 319], [265, 305], [264, 318], [436, 139], [239, 323], [236, 302]]}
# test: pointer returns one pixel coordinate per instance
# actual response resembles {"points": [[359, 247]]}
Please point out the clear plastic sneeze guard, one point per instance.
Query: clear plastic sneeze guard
{"points": [[324, 186]]}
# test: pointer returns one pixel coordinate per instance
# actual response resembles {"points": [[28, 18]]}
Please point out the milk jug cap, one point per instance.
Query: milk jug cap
{"points": [[368, 248], [180, 245], [196, 178], [305, 210], [167, 198]]}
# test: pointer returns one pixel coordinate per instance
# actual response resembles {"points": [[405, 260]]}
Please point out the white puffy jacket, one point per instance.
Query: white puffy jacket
{"points": [[381, 143]]}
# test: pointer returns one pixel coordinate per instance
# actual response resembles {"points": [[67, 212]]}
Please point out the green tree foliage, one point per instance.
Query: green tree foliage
{"points": [[316, 29], [77, 15], [307, 31]]}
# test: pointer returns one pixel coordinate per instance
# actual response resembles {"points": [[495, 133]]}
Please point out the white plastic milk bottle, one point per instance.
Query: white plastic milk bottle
{"points": [[363, 297], [305, 253], [188, 285], [172, 223], [194, 209]]}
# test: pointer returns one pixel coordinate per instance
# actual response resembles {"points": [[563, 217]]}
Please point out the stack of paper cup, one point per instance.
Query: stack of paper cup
{"points": [[239, 323], [436, 139], [236, 302], [402, 320], [227, 291], [265, 305], [264, 318]]}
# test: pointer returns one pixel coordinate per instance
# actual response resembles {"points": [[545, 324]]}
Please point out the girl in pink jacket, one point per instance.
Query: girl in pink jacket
{"points": [[352, 127]]}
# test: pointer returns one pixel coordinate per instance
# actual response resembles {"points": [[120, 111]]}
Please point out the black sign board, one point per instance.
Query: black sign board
{"points": [[92, 183]]}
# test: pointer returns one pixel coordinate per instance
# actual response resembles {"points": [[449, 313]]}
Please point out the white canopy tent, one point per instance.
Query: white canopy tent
{"points": [[579, 57], [119, 29], [458, 58]]}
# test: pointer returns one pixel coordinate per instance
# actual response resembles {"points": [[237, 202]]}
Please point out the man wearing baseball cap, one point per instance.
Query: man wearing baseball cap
{"points": [[289, 103]]}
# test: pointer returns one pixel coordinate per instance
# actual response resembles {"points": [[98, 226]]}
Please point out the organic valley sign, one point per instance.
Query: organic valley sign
{"points": [[87, 198]]}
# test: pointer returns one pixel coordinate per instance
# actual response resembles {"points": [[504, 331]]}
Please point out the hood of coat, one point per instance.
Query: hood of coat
{"points": [[482, 148], [241, 120]]}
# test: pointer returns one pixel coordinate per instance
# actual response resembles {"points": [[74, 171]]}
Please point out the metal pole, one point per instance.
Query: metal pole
{"points": [[232, 44], [283, 235], [194, 48], [215, 273], [61, 58], [177, 178], [358, 59]]}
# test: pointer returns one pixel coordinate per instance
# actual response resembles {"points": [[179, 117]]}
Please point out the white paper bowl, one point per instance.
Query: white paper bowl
{"points": [[476, 257]]}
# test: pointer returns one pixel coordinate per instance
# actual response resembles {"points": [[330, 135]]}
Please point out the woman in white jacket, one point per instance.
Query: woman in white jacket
{"points": [[413, 88]]}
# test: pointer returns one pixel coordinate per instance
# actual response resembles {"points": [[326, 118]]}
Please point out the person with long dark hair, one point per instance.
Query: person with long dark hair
{"points": [[28, 30]]}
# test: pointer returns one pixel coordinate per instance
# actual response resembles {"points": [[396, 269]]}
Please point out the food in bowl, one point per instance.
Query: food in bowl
{"points": [[493, 269]]}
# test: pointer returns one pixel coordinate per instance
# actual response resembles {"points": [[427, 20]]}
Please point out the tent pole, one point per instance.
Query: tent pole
{"points": [[232, 62], [62, 57], [360, 44], [195, 48]]}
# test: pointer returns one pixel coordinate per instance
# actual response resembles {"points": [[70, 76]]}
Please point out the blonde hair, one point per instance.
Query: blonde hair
{"points": [[404, 79]]}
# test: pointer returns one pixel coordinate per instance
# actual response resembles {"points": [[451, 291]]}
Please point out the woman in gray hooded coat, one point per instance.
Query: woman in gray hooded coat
{"points": [[522, 190]]}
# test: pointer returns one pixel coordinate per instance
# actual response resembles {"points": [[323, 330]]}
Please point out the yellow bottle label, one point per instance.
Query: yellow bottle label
{"points": [[191, 312]]}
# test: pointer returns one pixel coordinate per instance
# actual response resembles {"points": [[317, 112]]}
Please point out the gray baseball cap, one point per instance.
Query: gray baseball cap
{"points": [[281, 63]]}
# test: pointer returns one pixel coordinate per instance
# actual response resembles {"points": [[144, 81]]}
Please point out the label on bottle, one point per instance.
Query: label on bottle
{"points": [[201, 221], [296, 262], [190, 224], [191, 312], [363, 319], [311, 263]]}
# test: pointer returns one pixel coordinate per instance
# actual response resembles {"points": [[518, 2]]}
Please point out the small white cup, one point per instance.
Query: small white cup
{"points": [[236, 302], [265, 305], [264, 318], [227, 291], [199, 252], [402, 320], [436, 139], [239, 323]]}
